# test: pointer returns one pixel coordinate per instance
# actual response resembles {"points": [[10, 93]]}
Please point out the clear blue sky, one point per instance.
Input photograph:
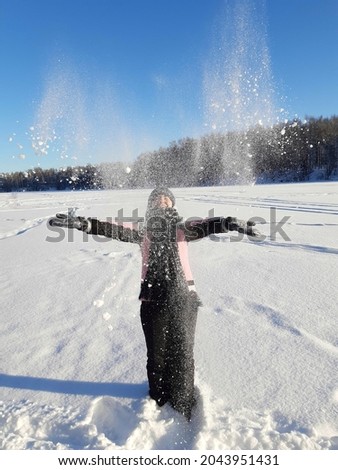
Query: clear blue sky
{"points": [[104, 80]]}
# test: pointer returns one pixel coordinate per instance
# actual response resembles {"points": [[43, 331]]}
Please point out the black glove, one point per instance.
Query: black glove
{"points": [[69, 221], [242, 226]]}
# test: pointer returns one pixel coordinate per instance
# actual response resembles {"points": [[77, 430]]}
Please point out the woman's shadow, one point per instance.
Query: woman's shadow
{"points": [[72, 387]]}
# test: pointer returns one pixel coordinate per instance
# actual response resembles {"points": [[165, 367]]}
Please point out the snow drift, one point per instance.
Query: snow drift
{"points": [[72, 349]]}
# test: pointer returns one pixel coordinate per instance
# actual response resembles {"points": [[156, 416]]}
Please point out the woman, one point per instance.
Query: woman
{"points": [[169, 302]]}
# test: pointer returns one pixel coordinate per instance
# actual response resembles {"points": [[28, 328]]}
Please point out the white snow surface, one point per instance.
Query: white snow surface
{"points": [[72, 349]]}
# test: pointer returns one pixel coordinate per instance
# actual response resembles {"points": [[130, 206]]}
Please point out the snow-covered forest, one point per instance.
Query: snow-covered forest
{"points": [[286, 152]]}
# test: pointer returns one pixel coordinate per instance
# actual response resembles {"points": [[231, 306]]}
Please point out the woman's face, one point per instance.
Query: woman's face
{"points": [[162, 201]]}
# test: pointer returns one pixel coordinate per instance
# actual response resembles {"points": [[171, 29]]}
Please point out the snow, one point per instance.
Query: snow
{"points": [[72, 349]]}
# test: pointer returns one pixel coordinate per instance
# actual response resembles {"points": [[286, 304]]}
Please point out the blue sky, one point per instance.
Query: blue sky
{"points": [[85, 81]]}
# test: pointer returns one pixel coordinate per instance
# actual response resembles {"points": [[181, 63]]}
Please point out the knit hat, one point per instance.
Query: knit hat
{"points": [[161, 191]]}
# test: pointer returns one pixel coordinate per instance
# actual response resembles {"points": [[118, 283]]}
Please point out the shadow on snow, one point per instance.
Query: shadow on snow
{"points": [[114, 389]]}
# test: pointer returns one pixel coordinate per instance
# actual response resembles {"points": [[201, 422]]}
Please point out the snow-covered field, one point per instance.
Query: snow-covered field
{"points": [[72, 349]]}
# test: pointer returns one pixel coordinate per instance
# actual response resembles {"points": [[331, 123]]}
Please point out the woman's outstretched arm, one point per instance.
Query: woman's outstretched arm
{"points": [[94, 226], [195, 229]]}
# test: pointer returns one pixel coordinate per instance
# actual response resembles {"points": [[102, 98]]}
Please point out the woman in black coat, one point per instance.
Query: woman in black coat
{"points": [[169, 302]]}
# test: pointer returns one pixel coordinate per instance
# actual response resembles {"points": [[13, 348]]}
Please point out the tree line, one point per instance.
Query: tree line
{"points": [[288, 151]]}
